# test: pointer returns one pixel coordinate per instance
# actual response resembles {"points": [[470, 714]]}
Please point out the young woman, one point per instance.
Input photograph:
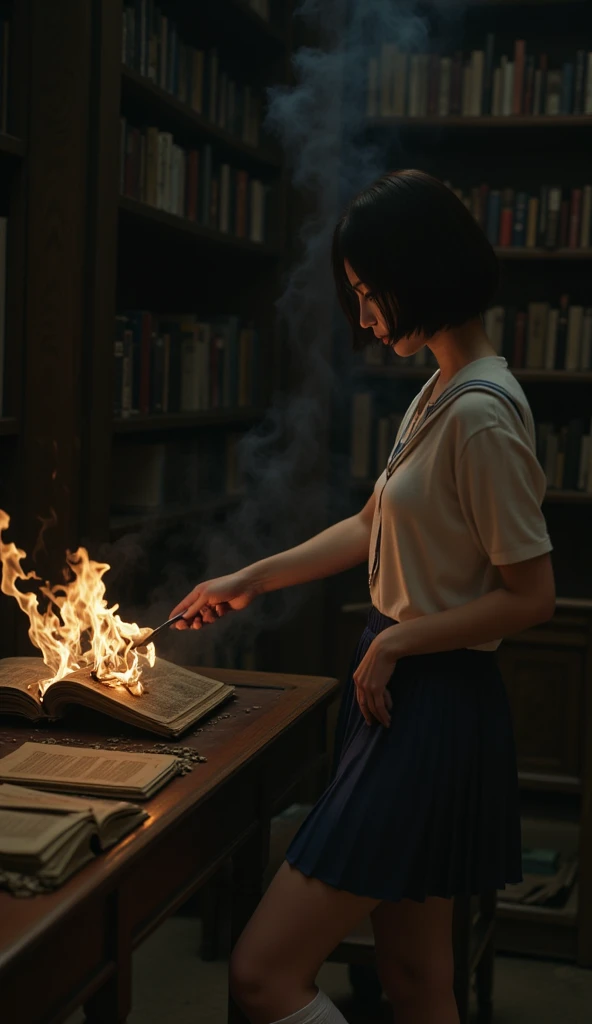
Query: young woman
{"points": [[424, 802]]}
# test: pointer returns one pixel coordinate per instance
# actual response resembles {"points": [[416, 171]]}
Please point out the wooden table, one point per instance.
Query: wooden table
{"points": [[74, 946]]}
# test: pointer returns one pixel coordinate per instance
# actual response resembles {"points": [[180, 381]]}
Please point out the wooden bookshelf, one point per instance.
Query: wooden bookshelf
{"points": [[551, 666], [483, 121], [165, 107], [170, 223]]}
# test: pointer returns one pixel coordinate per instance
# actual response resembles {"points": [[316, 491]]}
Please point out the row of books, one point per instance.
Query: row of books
{"points": [[191, 184], [542, 336], [555, 219], [184, 363], [402, 84], [4, 71], [564, 451], [151, 46], [175, 475]]}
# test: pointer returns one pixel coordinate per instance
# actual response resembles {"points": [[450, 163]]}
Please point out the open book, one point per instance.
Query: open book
{"points": [[174, 698], [88, 770], [51, 836]]}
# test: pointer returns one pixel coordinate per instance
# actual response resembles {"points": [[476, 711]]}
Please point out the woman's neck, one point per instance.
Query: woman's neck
{"points": [[458, 347]]}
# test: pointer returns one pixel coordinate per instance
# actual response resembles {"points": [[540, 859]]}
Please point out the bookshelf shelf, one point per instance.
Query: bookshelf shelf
{"points": [[365, 485], [186, 420], [166, 107], [566, 915], [518, 253], [8, 427], [484, 121], [10, 145], [150, 215], [558, 376]]}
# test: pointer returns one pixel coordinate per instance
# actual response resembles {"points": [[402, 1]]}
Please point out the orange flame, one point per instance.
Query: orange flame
{"points": [[83, 633]]}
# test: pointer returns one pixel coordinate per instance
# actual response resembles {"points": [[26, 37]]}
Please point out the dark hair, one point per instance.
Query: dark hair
{"points": [[420, 252]]}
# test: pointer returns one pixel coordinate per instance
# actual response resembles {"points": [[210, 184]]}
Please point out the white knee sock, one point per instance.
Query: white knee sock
{"points": [[320, 1011]]}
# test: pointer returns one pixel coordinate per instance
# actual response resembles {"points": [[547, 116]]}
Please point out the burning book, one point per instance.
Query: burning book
{"points": [[90, 656]]}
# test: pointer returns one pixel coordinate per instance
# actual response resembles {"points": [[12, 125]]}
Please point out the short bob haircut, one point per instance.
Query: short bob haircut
{"points": [[419, 251]]}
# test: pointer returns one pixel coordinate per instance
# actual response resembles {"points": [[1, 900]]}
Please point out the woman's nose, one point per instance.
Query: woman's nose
{"points": [[367, 317]]}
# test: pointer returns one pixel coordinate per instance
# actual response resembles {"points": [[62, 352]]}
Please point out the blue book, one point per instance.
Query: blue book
{"points": [[519, 228], [493, 216], [567, 87]]}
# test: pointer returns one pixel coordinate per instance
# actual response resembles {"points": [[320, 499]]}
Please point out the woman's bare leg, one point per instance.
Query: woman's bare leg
{"points": [[295, 927], [415, 959]]}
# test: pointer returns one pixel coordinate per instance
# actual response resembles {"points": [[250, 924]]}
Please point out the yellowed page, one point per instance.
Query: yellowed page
{"points": [[30, 834], [39, 762], [171, 691]]}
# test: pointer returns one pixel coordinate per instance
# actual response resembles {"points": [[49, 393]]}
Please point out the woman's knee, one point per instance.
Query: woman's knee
{"points": [[405, 982]]}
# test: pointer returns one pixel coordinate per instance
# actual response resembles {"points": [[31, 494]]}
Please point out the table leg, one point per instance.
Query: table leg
{"points": [[248, 866], [112, 1002]]}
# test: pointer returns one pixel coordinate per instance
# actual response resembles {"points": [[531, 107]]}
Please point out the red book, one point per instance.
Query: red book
{"points": [[575, 217], [563, 224], [519, 340], [519, 57], [506, 225], [192, 184], [145, 358]]}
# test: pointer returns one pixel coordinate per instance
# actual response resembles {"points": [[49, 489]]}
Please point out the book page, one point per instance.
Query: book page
{"points": [[30, 833], [61, 764], [23, 797], [171, 691], [22, 673]]}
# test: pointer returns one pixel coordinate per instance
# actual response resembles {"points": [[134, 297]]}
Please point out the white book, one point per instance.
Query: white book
{"points": [[536, 334], [400, 84], [551, 451], [168, 166], [424, 77], [575, 320], [467, 85], [586, 349], [586, 216], [508, 88], [494, 326], [161, 171], [496, 95], [224, 220], [3, 229], [387, 61], [588, 89], [551, 341], [371, 96], [189, 372], [361, 433], [584, 483], [444, 86], [477, 65], [413, 108]]}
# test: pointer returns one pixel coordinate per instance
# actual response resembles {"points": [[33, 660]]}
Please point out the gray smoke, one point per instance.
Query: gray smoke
{"points": [[318, 120]]}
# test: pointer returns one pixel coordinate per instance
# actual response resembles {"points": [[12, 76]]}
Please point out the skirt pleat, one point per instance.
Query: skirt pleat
{"points": [[430, 805]]}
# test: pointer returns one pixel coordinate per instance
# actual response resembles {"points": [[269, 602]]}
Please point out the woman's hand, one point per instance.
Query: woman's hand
{"points": [[372, 676], [212, 599]]}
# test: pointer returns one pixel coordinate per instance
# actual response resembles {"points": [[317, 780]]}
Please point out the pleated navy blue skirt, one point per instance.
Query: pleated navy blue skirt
{"points": [[430, 805]]}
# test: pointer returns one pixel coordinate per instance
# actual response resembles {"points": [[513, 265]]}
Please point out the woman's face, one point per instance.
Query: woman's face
{"points": [[370, 316]]}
